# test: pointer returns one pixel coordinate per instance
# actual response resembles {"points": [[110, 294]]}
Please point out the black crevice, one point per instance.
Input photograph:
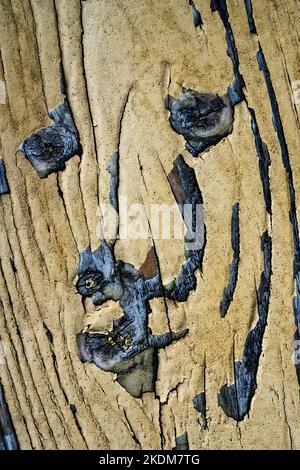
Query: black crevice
{"points": [[134, 436], [235, 90], [73, 410], [264, 162], [48, 333], [8, 437], [251, 22], [292, 211], [234, 265], [196, 15], [113, 169], [235, 399], [4, 187]]}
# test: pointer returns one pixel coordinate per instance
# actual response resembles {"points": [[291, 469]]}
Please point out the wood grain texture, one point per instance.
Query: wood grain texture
{"points": [[121, 58]]}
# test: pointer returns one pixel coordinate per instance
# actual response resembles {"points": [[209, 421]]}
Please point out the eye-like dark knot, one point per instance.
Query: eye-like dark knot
{"points": [[49, 148], [202, 118], [89, 283]]}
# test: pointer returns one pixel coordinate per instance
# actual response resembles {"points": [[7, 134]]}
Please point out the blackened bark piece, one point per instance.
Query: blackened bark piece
{"points": [[236, 399], [203, 119], [234, 266], [4, 187], [49, 148], [8, 438]]}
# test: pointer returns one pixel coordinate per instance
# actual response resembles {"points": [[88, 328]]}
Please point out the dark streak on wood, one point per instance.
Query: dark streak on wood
{"points": [[199, 402], [251, 22], [4, 187], [235, 90], [113, 170], [293, 211], [234, 266], [236, 399], [196, 15], [264, 162], [182, 442]]}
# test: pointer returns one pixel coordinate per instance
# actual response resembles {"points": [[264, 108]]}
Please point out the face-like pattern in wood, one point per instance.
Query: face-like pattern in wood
{"points": [[130, 348]]}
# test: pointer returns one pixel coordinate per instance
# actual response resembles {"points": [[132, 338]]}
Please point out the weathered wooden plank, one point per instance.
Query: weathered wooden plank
{"points": [[122, 61]]}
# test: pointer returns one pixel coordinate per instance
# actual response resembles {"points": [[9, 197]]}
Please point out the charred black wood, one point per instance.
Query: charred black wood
{"points": [[264, 162], [234, 266], [251, 22], [203, 119], [196, 15], [51, 147], [277, 122], [8, 438], [182, 442], [235, 90], [199, 402], [4, 187], [236, 399]]}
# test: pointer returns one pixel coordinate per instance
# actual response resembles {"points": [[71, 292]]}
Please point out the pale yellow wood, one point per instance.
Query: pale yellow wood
{"points": [[113, 51]]}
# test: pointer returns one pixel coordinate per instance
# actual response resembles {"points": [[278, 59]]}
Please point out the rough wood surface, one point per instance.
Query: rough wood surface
{"points": [[121, 58]]}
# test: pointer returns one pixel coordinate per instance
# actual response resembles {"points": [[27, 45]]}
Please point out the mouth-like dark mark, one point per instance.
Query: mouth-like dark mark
{"points": [[115, 339]]}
